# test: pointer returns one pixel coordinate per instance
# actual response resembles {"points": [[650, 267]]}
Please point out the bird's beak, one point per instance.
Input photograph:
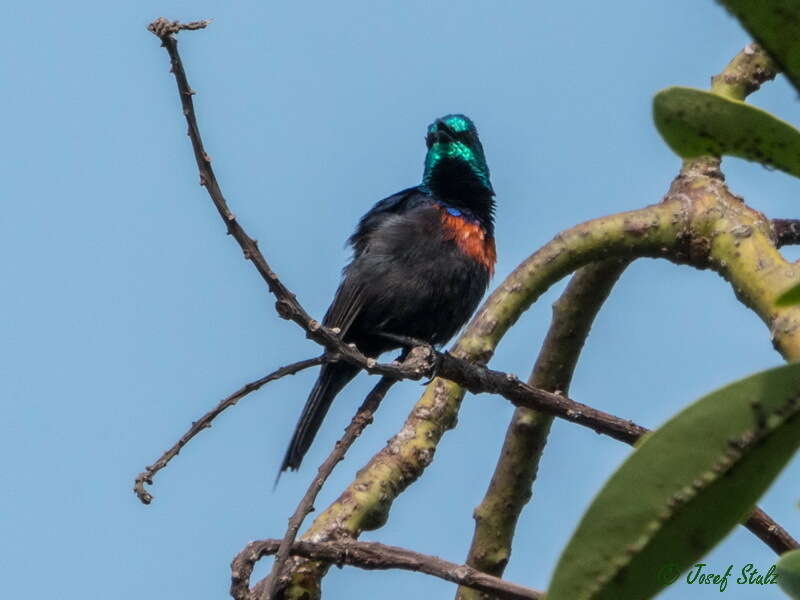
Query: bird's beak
{"points": [[442, 133]]}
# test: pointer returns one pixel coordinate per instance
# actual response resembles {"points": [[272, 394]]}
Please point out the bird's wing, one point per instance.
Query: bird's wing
{"points": [[346, 305], [378, 214], [350, 296]]}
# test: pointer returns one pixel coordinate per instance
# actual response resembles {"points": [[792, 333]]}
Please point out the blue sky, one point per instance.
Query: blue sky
{"points": [[128, 312]]}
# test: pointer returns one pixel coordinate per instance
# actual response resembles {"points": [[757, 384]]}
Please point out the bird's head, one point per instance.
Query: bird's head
{"points": [[455, 166]]}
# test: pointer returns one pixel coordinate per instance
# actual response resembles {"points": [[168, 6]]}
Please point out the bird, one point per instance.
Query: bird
{"points": [[422, 260]]}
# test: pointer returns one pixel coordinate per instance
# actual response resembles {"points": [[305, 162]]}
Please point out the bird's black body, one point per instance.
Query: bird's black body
{"points": [[422, 259]]}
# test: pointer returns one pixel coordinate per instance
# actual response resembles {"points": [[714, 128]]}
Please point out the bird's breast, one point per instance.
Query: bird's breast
{"points": [[470, 237]]}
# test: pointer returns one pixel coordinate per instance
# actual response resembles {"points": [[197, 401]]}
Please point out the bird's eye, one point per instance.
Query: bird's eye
{"points": [[465, 137], [429, 140]]}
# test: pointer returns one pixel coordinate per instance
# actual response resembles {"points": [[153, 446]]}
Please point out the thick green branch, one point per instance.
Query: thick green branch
{"points": [[510, 488], [740, 245], [745, 73]]}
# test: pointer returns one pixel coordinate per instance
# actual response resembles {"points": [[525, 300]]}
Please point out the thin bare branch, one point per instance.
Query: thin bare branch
{"points": [[362, 418], [372, 555], [770, 532], [479, 379], [204, 422], [787, 232], [163, 27]]}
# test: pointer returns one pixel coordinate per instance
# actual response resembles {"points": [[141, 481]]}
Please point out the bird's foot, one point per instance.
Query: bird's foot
{"points": [[437, 363]]}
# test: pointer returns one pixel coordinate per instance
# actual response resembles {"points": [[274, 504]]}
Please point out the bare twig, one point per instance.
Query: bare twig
{"points": [[205, 421], [787, 232], [163, 27], [479, 379], [362, 418], [770, 532], [372, 555]]}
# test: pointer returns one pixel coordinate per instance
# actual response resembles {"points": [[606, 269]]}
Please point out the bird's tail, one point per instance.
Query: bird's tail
{"points": [[332, 378]]}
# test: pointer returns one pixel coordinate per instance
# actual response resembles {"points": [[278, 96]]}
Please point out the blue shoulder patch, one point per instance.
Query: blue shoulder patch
{"points": [[453, 211]]}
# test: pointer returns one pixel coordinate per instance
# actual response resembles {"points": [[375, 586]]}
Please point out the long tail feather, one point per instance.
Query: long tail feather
{"points": [[331, 380]]}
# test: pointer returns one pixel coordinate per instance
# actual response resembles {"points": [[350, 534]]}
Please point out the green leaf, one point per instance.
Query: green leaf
{"points": [[789, 573], [775, 24], [678, 494], [696, 123], [790, 297]]}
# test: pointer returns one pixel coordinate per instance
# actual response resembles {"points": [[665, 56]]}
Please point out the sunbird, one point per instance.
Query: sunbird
{"points": [[422, 260]]}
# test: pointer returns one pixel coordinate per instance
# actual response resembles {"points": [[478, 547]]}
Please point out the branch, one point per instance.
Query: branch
{"points": [[372, 555], [362, 418], [787, 232], [745, 74], [162, 27], [479, 379], [204, 422], [510, 488], [771, 533]]}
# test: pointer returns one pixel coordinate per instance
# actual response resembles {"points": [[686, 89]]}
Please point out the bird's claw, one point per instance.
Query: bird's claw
{"points": [[437, 363]]}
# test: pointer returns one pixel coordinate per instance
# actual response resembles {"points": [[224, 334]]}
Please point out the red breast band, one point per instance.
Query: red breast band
{"points": [[471, 239]]}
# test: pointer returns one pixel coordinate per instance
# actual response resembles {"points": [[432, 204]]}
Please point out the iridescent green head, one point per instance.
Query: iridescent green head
{"points": [[455, 167]]}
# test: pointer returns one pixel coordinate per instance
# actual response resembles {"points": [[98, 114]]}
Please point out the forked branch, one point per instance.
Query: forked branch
{"points": [[372, 555], [204, 422]]}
